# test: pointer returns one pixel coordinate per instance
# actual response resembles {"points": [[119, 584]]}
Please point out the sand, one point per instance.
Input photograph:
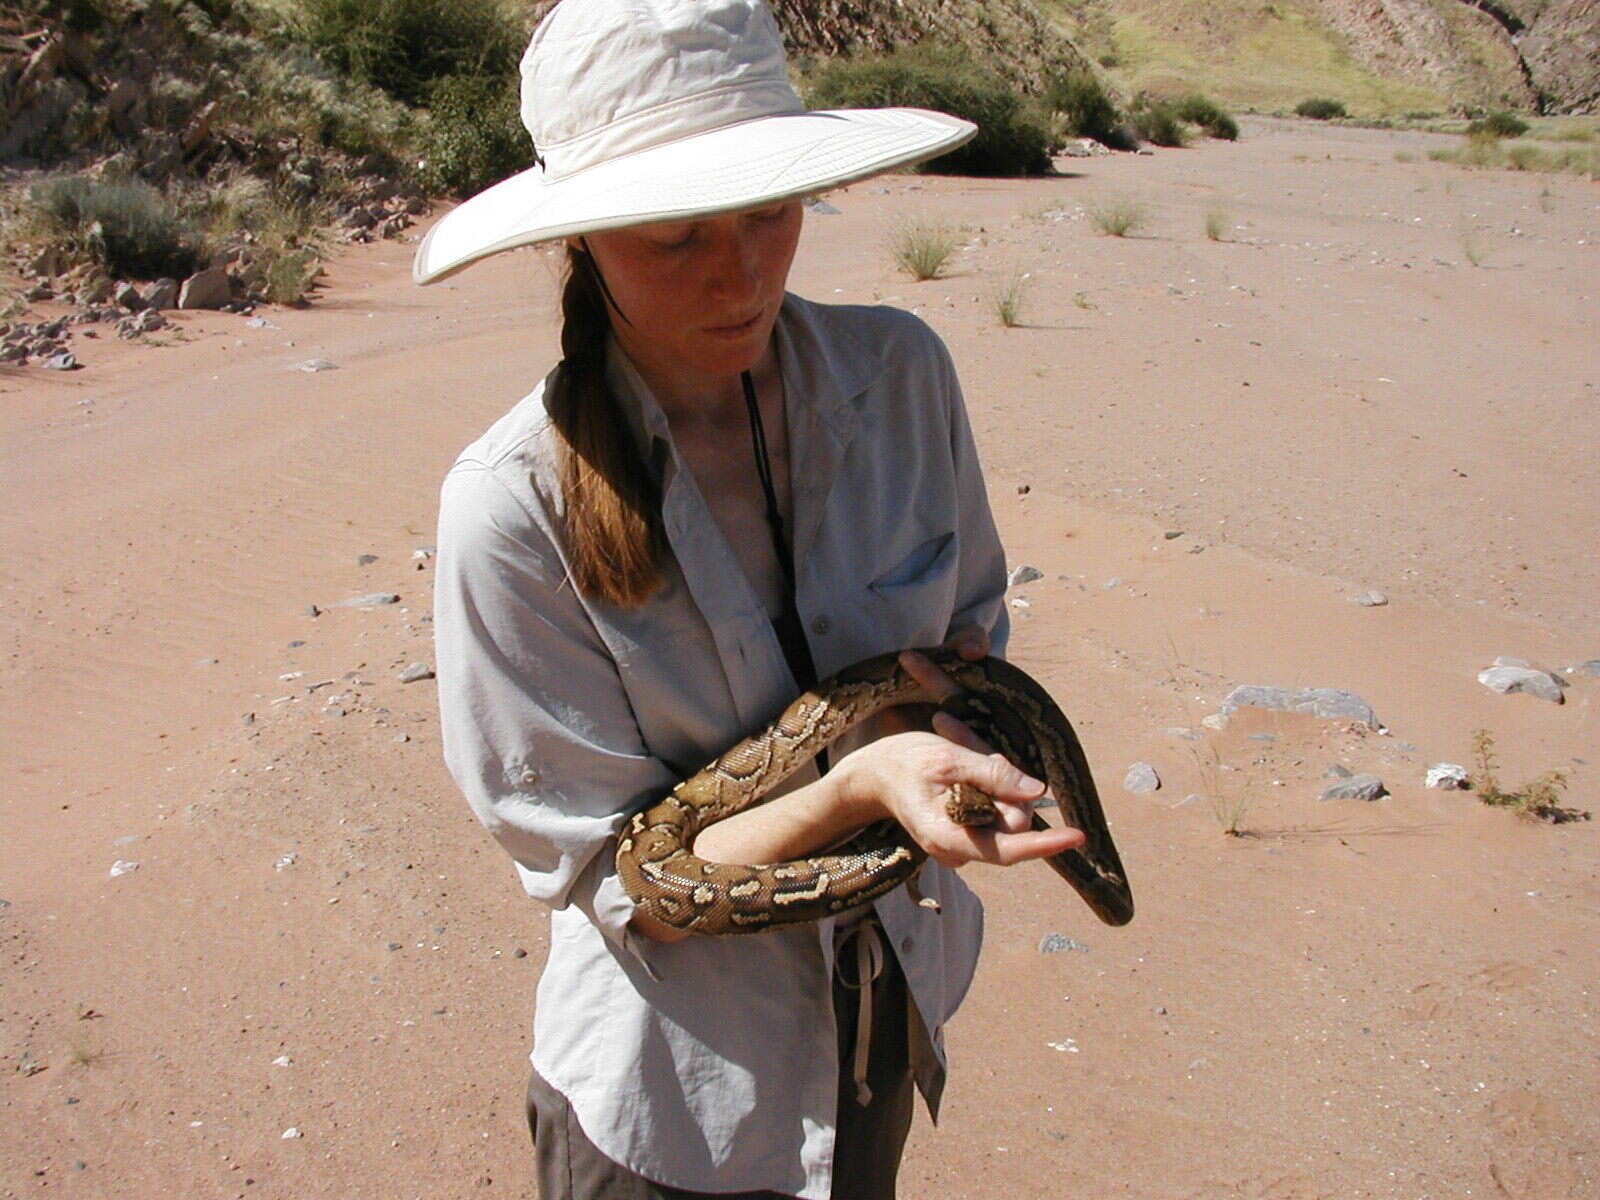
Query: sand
{"points": [[1391, 998]]}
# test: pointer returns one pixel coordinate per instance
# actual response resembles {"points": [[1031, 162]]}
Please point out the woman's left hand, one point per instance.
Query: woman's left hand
{"points": [[971, 642]]}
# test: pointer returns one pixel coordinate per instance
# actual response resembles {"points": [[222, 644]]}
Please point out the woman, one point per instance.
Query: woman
{"points": [[721, 492]]}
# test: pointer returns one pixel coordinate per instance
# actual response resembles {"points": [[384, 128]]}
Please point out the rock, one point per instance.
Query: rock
{"points": [[370, 600], [205, 289], [62, 362], [1179, 731], [1337, 771], [13, 352], [1142, 779], [1505, 660], [123, 867], [1055, 943], [127, 296], [1327, 703], [1025, 575], [163, 293], [1172, 533], [817, 205], [1592, 667], [416, 673], [39, 291], [1507, 679], [1357, 787], [1217, 721], [363, 560], [316, 364], [46, 262], [1370, 599], [291, 1132], [1448, 776]]}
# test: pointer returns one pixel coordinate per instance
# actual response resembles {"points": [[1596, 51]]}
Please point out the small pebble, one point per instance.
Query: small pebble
{"points": [[123, 867], [1142, 779], [416, 672], [1055, 943], [1448, 777]]}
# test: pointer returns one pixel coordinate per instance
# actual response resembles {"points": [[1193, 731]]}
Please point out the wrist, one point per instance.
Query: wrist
{"points": [[856, 794]]}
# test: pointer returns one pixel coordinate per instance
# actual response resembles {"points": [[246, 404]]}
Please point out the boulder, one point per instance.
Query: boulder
{"points": [[1327, 703], [163, 293], [208, 289], [1529, 680]]}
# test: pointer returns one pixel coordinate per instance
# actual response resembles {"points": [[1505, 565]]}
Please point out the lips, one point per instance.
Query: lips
{"points": [[742, 327]]}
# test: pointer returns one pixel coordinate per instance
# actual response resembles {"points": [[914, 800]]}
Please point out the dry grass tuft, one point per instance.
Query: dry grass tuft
{"points": [[1217, 223], [1007, 298], [1119, 216], [922, 248]]}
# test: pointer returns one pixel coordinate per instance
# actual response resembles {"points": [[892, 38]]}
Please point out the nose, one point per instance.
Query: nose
{"points": [[736, 259]]}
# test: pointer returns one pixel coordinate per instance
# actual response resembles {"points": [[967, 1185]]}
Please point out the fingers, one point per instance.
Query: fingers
{"points": [[971, 642], [959, 732], [935, 682], [1008, 849]]}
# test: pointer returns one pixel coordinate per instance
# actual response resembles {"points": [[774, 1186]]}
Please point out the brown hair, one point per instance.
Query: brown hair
{"points": [[614, 538]]}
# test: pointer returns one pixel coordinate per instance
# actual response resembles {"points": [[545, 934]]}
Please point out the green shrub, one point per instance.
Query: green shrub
{"points": [[1088, 109], [1499, 124], [128, 226], [1197, 110], [1158, 121], [474, 136], [1013, 137], [403, 45], [1320, 109]]}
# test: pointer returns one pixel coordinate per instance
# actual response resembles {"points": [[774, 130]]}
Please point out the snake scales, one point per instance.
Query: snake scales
{"points": [[1003, 706]]}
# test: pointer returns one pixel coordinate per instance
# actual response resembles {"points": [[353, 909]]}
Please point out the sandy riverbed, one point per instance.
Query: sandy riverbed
{"points": [[1355, 999]]}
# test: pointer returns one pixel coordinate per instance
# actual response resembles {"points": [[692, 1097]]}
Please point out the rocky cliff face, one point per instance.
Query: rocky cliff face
{"points": [[1533, 54], [1453, 46], [1560, 43]]}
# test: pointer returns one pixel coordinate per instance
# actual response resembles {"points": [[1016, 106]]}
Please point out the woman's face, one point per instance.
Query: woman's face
{"points": [[701, 296]]}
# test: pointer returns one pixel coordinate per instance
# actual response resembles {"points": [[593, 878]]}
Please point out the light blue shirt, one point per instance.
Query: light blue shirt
{"points": [[708, 1064]]}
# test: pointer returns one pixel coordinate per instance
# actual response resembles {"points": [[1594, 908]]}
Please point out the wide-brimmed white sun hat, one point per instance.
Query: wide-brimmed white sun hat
{"points": [[665, 110]]}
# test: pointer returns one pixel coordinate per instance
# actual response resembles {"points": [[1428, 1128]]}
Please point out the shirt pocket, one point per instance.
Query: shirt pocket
{"points": [[916, 596]]}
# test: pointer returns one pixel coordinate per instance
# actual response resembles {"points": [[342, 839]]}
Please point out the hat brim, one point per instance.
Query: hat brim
{"points": [[735, 167]]}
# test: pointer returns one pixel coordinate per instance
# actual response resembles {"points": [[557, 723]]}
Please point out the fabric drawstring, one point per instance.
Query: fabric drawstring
{"points": [[869, 965]]}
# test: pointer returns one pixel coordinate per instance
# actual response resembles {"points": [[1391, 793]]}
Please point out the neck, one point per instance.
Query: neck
{"points": [[710, 398]]}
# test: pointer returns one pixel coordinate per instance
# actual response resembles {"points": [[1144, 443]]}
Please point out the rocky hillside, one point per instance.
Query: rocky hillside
{"points": [[1380, 57]]}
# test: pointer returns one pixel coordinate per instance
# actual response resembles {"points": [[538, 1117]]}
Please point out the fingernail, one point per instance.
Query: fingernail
{"points": [[1032, 784]]}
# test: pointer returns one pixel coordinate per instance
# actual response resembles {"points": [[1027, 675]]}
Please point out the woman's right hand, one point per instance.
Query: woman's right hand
{"points": [[908, 776]]}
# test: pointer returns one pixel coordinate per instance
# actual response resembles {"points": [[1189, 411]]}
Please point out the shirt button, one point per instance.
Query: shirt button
{"points": [[906, 943], [821, 626], [529, 777]]}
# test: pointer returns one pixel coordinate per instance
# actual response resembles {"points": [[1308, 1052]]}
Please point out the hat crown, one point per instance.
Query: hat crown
{"points": [[606, 78]]}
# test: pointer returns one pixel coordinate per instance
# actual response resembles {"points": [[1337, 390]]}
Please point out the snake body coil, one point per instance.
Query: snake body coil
{"points": [[1003, 706]]}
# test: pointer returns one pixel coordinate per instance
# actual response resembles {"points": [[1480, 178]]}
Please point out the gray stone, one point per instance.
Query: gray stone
{"points": [[1216, 720], [1370, 599], [127, 296], [1337, 771], [1506, 660], [363, 559], [1327, 703], [1172, 533], [416, 672], [1263, 737], [370, 600], [1448, 776], [1025, 575], [1592, 667], [1357, 787], [1055, 943], [1142, 778], [205, 289], [62, 362], [1180, 731], [163, 293], [316, 364], [1532, 682]]}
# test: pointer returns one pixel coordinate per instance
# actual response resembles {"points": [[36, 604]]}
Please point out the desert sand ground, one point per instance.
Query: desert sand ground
{"points": [[1388, 999]]}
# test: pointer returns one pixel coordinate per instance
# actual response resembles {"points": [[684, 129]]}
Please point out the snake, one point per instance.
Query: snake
{"points": [[1000, 702]]}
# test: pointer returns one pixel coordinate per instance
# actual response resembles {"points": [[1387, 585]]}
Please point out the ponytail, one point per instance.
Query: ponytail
{"points": [[613, 510]]}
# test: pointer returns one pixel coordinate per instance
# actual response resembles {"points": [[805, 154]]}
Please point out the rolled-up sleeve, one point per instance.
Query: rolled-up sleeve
{"points": [[537, 728], [981, 585]]}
